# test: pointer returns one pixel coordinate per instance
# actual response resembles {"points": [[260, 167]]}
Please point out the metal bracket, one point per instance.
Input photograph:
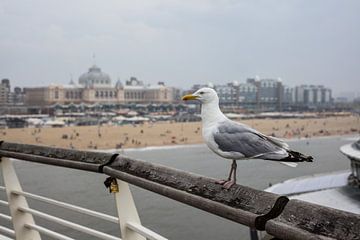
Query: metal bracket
{"points": [[111, 160], [274, 212]]}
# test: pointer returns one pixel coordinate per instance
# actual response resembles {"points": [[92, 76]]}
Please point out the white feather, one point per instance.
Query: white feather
{"points": [[289, 164], [279, 142]]}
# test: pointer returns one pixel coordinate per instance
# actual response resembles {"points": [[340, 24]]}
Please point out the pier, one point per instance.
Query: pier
{"points": [[276, 215]]}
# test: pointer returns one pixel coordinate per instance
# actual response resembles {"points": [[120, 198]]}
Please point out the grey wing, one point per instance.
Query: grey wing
{"points": [[235, 137]]}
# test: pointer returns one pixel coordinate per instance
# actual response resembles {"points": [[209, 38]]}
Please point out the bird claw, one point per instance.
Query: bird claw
{"points": [[221, 182], [227, 184]]}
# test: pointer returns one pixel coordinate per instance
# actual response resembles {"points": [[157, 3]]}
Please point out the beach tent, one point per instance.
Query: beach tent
{"points": [[34, 121], [132, 113], [54, 123], [135, 120]]}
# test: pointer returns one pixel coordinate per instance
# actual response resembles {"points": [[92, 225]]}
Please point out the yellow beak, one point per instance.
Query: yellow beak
{"points": [[189, 97]]}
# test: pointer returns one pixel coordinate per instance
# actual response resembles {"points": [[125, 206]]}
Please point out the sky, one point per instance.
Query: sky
{"points": [[182, 42]]}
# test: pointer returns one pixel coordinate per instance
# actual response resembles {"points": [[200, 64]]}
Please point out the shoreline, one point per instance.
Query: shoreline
{"points": [[172, 134], [351, 137]]}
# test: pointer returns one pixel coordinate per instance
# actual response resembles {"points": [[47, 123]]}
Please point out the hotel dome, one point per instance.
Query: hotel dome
{"points": [[95, 77]]}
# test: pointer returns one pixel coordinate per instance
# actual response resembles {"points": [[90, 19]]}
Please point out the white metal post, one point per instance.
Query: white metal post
{"points": [[19, 219], [127, 212]]}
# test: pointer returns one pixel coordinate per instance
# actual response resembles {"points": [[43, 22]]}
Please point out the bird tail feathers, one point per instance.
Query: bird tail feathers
{"points": [[297, 157]]}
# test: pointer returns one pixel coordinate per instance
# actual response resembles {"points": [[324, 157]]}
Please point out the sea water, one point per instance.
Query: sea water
{"points": [[169, 218]]}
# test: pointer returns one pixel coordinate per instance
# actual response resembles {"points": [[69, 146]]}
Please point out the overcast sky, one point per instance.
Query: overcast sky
{"points": [[182, 42]]}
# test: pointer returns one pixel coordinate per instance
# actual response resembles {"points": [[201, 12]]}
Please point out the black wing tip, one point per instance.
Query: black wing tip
{"points": [[309, 159], [299, 157]]}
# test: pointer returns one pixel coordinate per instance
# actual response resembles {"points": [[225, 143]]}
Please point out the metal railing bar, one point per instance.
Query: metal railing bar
{"points": [[51, 161], [4, 203], [150, 235], [6, 217], [7, 231], [48, 232], [69, 224], [2, 188], [3, 237], [69, 206]]}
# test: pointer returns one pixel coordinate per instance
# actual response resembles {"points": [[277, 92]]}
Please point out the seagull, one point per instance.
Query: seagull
{"points": [[237, 141]]}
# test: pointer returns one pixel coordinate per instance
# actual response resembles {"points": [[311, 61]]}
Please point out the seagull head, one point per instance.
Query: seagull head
{"points": [[204, 95]]}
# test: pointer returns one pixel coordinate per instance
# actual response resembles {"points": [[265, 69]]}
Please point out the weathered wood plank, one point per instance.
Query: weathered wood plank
{"points": [[84, 160], [254, 208], [303, 220], [59, 153], [241, 204]]}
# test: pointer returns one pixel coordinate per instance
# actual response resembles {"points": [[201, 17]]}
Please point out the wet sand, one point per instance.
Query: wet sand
{"points": [[166, 133]]}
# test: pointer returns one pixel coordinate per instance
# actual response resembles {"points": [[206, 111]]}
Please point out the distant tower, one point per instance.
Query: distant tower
{"points": [[71, 80], [5, 92], [94, 59], [119, 84], [6, 82]]}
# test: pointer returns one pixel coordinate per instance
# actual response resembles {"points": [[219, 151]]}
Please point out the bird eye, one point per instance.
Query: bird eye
{"points": [[201, 93]]}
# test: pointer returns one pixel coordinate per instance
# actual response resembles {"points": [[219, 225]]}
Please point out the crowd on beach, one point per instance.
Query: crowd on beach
{"points": [[171, 133]]}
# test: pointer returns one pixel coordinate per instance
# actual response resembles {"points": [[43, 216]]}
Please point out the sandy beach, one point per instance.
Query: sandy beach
{"points": [[165, 133]]}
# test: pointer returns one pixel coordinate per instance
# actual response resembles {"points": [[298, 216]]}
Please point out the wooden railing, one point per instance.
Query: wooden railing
{"points": [[263, 211]]}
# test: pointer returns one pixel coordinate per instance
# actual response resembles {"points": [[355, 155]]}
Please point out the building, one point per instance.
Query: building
{"points": [[312, 96], [247, 95], [137, 92], [96, 86], [255, 94], [18, 96], [5, 92], [288, 98], [270, 93], [228, 94], [93, 86]]}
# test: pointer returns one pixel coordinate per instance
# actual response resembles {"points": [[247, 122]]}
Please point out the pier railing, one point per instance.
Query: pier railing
{"points": [[276, 215]]}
